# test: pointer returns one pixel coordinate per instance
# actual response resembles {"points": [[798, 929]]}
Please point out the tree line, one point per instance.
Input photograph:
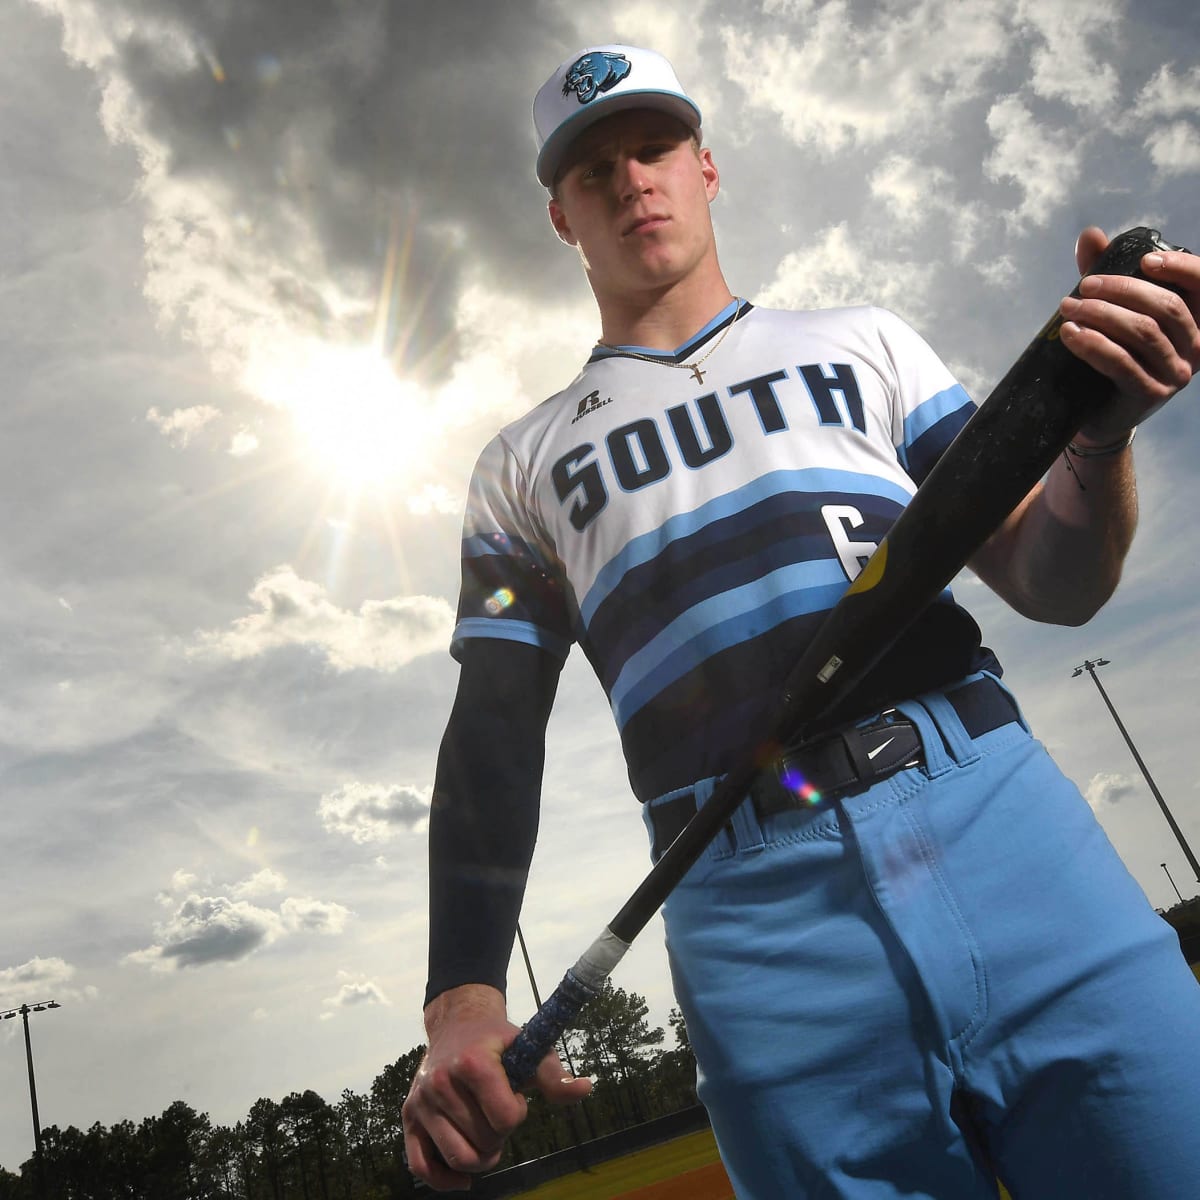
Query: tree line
{"points": [[304, 1148]]}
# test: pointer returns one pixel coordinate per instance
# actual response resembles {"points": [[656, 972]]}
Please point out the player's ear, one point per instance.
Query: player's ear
{"points": [[559, 220], [712, 177]]}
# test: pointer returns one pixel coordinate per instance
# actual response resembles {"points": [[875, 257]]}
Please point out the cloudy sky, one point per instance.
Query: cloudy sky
{"points": [[271, 273]]}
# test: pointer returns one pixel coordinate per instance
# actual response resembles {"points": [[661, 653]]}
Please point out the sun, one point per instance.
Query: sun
{"points": [[359, 422]]}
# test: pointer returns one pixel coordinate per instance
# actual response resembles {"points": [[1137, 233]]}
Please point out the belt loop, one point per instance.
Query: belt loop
{"points": [[666, 815], [743, 827], [958, 741], [952, 710], [937, 761], [747, 832]]}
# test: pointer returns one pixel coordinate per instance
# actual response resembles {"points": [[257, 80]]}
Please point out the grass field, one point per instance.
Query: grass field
{"points": [[636, 1172], [687, 1168]]}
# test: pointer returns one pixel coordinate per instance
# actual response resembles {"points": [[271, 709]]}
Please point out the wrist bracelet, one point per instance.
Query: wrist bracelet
{"points": [[1100, 451]]}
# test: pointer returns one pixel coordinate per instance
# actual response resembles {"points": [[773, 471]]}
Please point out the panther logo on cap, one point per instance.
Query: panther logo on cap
{"points": [[594, 73]]}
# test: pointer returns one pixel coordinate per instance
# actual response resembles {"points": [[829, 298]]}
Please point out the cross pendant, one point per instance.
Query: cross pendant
{"points": [[699, 374]]}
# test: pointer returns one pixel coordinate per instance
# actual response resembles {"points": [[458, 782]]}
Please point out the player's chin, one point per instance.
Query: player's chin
{"points": [[658, 267]]}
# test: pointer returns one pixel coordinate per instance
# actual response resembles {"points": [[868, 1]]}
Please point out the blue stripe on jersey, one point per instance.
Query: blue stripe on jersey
{"points": [[729, 553], [506, 587], [926, 417], [482, 545], [513, 631], [723, 621], [703, 723], [931, 411], [650, 545]]}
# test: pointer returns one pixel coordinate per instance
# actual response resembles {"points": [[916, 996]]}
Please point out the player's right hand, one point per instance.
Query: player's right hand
{"points": [[461, 1107]]}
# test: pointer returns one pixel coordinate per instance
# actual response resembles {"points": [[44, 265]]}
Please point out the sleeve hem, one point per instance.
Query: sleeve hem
{"points": [[512, 631]]}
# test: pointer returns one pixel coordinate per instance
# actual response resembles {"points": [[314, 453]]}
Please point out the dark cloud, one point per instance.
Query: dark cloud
{"points": [[1109, 789], [208, 929], [373, 124], [212, 929], [371, 812]]}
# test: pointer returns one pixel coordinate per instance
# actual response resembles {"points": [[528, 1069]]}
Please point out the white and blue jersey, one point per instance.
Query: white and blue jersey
{"points": [[691, 536]]}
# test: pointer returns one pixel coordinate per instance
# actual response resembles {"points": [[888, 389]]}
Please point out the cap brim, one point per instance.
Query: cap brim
{"points": [[556, 144]]}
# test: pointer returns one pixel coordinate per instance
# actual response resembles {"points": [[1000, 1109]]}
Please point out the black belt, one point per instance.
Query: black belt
{"points": [[846, 760]]}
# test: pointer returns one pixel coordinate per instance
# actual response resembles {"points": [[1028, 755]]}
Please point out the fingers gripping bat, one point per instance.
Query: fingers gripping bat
{"points": [[1000, 454]]}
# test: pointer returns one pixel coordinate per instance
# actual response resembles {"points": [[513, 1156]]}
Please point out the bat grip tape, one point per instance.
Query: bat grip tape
{"points": [[544, 1028], [583, 982]]}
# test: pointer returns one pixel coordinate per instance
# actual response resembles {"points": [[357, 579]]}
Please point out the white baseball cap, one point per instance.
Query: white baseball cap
{"points": [[596, 83]]}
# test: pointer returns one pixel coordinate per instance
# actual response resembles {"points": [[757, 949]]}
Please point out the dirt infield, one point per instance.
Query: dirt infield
{"points": [[704, 1183]]}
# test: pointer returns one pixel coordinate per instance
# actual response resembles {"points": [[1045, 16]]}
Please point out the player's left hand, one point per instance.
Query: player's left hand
{"points": [[1143, 337]]}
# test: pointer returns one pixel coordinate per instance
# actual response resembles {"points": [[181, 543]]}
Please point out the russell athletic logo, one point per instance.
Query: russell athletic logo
{"points": [[594, 73], [589, 404]]}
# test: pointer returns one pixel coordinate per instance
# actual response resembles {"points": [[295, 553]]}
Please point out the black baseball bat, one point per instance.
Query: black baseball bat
{"points": [[1000, 454]]}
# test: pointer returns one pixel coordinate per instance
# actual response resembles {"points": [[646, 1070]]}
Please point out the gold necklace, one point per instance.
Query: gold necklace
{"points": [[694, 367]]}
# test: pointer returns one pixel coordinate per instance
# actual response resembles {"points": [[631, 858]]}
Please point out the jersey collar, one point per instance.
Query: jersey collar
{"points": [[688, 349]]}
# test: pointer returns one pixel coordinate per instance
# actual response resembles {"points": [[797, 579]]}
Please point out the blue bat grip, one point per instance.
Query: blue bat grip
{"points": [[544, 1028]]}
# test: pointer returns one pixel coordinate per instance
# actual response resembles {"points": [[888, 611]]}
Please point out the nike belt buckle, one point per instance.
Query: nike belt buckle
{"points": [[889, 744]]}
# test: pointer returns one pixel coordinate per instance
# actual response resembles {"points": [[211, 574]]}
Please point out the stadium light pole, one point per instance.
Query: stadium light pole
{"points": [[1090, 666], [1173, 884], [24, 1010]]}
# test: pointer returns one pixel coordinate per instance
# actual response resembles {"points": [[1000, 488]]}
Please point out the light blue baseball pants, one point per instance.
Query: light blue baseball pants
{"points": [[947, 978]]}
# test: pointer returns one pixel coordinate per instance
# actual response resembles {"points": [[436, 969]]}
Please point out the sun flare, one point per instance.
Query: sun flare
{"points": [[356, 419]]}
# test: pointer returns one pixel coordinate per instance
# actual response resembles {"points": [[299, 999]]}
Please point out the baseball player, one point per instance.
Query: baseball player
{"points": [[922, 966]]}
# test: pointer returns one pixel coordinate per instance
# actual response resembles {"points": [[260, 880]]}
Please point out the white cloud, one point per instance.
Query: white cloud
{"points": [[911, 191], [87, 35], [374, 812], [262, 883], [1069, 63], [837, 74], [839, 270], [838, 78], [306, 915], [511, 352], [41, 979], [182, 424], [1175, 150], [1108, 789], [1169, 95], [353, 993], [918, 194], [1000, 271], [383, 635], [243, 443], [1044, 164], [787, 8]]}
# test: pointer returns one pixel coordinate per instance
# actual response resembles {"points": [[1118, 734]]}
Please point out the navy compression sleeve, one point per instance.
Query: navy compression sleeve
{"points": [[484, 816]]}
